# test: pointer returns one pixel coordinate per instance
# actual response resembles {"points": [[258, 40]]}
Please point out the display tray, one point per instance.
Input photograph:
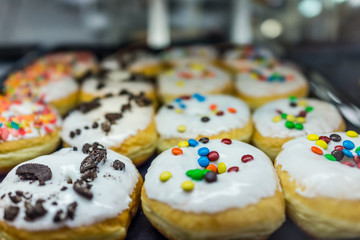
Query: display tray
{"points": [[320, 87]]}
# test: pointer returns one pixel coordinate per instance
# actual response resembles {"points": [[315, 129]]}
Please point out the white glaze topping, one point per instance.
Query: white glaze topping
{"points": [[249, 84], [193, 78], [58, 89], [254, 181], [111, 191], [192, 110], [323, 118], [320, 176], [181, 55], [129, 125]]}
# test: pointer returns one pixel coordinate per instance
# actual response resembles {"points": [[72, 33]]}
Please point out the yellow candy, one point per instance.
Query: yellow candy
{"points": [[302, 103], [180, 83], [178, 110], [290, 117], [187, 185], [221, 168], [183, 144], [300, 119], [164, 176], [169, 72], [277, 118], [322, 143], [253, 75], [181, 128], [197, 66], [313, 137], [352, 134]]}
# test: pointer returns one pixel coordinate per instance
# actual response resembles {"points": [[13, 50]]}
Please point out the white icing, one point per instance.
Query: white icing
{"points": [[111, 194], [254, 181], [129, 125], [27, 107], [171, 83], [114, 86], [320, 176], [58, 88], [248, 85], [324, 118], [182, 55], [167, 120]]}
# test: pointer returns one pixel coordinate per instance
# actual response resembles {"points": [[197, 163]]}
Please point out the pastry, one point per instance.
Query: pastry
{"points": [[318, 173], [258, 86], [123, 123], [27, 129], [87, 193], [282, 120], [215, 116], [193, 78], [213, 189]]}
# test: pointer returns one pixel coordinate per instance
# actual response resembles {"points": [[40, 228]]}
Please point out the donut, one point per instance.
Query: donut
{"points": [[196, 53], [114, 83], [123, 123], [135, 61], [243, 58], [318, 174], [258, 86], [27, 129], [193, 78], [53, 83], [282, 120], [196, 116], [236, 196], [90, 193]]}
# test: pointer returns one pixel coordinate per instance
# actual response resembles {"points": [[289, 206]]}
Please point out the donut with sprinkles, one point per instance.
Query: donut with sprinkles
{"points": [[208, 188]]}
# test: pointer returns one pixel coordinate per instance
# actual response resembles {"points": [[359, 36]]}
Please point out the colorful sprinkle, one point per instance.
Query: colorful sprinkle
{"points": [[348, 144], [226, 141], [203, 161], [193, 142], [313, 137], [188, 185], [221, 168], [316, 150], [164, 176], [181, 128], [322, 144], [177, 151], [352, 134]]}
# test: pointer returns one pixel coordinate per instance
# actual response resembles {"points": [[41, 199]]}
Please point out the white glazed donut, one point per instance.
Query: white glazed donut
{"points": [[279, 121], [318, 174], [75, 194], [215, 116], [237, 196], [122, 123], [193, 78]]}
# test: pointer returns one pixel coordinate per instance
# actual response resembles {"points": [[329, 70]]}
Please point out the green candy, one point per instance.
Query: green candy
{"points": [[299, 126], [197, 175], [330, 157], [289, 125], [283, 115], [309, 109], [357, 149], [292, 98], [189, 172]]}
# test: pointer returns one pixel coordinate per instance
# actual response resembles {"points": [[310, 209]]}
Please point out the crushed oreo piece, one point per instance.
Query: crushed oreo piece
{"points": [[72, 134], [86, 127], [170, 106], [112, 117], [2, 197], [124, 92], [89, 175], [100, 85], [75, 148], [126, 107], [86, 148], [32, 212], [54, 203], [106, 126], [143, 101], [118, 165], [109, 95], [78, 131], [11, 213], [91, 161], [34, 171], [83, 189], [14, 198], [87, 107], [63, 188], [59, 216], [95, 125], [71, 208]]}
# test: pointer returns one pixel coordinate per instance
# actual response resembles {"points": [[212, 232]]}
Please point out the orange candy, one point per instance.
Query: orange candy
{"points": [[176, 151], [316, 150], [232, 110], [213, 107], [212, 167]]}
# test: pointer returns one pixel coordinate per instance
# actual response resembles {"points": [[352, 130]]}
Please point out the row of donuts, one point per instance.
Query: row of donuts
{"points": [[208, 189]]}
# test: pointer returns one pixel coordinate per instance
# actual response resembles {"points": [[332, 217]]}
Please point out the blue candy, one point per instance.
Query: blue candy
{"points": [[348, 144], [347, 153], [358, 153], [178, 100], [203, 161], [204, 151], [193, 142], [199, 97], [182, 105]]}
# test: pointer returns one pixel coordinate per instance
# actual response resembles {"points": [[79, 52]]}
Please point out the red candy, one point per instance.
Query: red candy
{"points": [[233, 169], [316, 150], [247, 158], [226, 141], [176, 151], [213, 156], [186, 97], [220, 113], [356, 159], [213, 107], [325, 138], [47, 129], [350, 164], [302, 113], [338, 147], [278, 111]]}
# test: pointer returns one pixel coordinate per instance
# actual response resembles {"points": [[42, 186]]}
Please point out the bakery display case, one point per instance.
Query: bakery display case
{"points": [[179, 119]]}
